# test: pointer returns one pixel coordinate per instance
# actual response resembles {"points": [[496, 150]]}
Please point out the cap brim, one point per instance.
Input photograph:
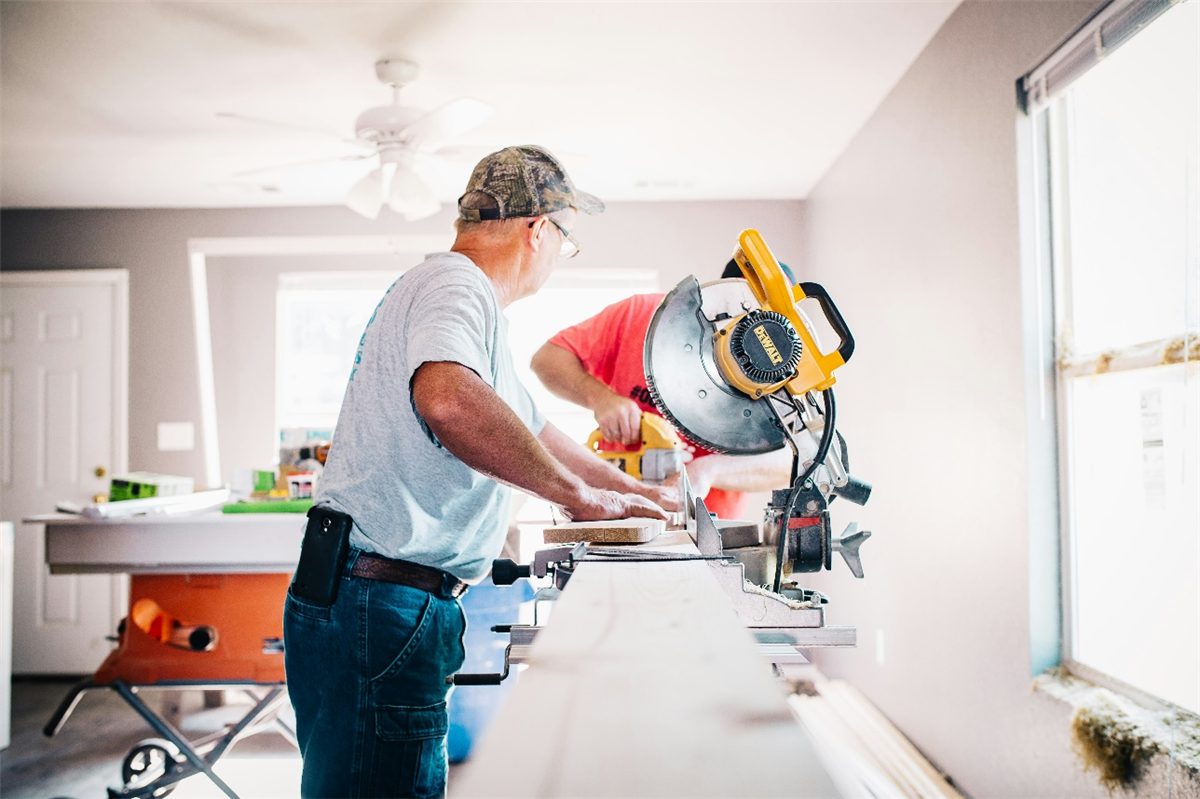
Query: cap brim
{"points": [[588, 203]]}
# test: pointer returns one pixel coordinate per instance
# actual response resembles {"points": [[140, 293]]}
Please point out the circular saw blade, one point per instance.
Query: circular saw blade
{"points": [[683, 378]]}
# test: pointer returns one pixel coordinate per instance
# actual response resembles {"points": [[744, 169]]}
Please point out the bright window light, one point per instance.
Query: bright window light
{"points": [[321, 317]]}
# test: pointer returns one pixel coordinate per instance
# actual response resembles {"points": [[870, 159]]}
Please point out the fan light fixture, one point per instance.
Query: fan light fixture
{"points": [[395, 183]]}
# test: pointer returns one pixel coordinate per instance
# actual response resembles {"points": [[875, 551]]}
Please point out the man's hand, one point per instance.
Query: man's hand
{"points": [[599, 503], [619, 419], [668, 497]]}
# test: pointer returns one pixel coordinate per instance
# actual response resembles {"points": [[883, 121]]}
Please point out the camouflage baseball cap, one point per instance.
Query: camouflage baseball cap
{"points": [[524, 181]]}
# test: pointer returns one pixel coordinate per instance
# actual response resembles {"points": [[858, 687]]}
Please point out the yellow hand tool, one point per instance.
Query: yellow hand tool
{"points": [[659, 458]]}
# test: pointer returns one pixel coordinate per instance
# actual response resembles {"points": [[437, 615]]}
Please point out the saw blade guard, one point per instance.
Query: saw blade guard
{"points": [[685, 381]]}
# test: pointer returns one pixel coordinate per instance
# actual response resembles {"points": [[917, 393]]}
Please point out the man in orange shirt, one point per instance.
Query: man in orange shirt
{"points": [[599, 364]]}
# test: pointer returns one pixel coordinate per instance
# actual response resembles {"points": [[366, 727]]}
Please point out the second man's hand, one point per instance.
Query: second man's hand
{"points": [[619, 418]]}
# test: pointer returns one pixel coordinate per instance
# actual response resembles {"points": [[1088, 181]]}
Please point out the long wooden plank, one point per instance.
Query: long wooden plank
{"points": [[853, 768], [865, 751], [886, 740], [645, 684]]}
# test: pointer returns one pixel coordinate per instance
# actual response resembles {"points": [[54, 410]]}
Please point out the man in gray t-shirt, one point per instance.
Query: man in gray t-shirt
{"points": [[435, 431]]}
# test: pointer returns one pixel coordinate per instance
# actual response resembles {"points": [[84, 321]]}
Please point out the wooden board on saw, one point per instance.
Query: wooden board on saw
{"points": [[609, 531], [644, 683]]}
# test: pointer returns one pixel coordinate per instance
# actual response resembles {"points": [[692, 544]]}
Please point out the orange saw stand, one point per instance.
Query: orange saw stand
{"points": [[193, 632]]}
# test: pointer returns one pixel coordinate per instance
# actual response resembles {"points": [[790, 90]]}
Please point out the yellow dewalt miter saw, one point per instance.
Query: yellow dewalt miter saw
{"points": [[735, 365], [659, 458]]}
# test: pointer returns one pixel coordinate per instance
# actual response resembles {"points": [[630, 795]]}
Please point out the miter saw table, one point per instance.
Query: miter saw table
{"points": [[783, 623]]}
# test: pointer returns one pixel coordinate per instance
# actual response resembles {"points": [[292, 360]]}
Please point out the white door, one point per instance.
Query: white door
{"points": [[62, 433]]}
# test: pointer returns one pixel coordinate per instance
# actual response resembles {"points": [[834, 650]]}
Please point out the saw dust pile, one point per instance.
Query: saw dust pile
{"points": [[1114, 737], [1109, 742]]}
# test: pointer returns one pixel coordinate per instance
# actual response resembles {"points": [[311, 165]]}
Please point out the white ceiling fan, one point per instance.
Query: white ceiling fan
{"points": [[396, 135]]}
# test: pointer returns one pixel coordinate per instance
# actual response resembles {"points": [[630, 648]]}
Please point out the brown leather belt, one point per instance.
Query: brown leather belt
{"points": [[401, 572]]}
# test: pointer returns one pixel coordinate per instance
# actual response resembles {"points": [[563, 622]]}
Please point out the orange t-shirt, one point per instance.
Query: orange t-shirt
{"points": [[610, 345]]}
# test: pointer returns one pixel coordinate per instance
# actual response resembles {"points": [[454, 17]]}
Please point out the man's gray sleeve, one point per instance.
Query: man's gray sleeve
{"points": [[451, 322]]}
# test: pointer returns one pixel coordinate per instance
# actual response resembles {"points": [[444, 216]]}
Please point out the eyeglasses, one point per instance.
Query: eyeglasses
{"points": [[570, 248]]}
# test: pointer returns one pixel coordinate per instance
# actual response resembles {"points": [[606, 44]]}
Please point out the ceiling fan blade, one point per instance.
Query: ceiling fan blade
{"points": [[292, 127], [462, 153], [452, 119], [366, 196], [277, 167], [412, 196]]}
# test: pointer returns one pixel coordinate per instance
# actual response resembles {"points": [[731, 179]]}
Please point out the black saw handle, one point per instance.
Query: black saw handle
{"points": [[833, 316]]}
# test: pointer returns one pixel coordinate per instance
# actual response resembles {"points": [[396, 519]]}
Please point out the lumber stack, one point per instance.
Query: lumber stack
{"points": [[863, 752]]}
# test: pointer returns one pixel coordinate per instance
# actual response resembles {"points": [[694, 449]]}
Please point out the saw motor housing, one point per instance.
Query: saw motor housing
{"points": [[774, 347]]}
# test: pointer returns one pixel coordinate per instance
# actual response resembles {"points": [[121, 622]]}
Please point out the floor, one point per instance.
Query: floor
{"points": [[85, 758]]}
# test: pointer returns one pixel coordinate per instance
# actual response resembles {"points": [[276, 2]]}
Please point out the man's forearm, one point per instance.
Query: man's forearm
{"points": [[478, 428], [563, 374], [765, 472], [595, 471], [602, 474], [619, 418]]}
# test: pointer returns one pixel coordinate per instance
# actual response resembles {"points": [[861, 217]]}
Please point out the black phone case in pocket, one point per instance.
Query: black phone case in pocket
{"points": [[322, 556]]}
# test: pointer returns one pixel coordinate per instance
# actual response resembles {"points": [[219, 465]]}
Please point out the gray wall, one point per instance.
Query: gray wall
{"points": [[915, 233], [676, 238]]}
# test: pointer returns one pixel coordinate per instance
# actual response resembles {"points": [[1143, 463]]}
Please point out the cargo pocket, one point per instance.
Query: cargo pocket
{"points": [[410, 751]]}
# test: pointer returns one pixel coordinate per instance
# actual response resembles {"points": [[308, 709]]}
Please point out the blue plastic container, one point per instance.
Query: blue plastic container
{"points": [[473, 706]]}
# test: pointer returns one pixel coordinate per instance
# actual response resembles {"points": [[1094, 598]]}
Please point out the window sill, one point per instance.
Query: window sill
{"points": [[1143, 750]]}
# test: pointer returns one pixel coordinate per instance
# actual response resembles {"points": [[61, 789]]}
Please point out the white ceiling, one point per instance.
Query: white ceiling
{"points": [[113, 104]]}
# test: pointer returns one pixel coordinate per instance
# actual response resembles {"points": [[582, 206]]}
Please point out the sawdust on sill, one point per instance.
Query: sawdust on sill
{"points": [[1112, 735]]}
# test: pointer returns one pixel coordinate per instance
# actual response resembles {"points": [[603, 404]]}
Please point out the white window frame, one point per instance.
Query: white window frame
{"points": [[1044, 153]]}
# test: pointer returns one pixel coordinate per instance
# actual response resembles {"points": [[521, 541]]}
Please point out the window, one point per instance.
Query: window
{"points": [[1117, 131], [321, 317]]}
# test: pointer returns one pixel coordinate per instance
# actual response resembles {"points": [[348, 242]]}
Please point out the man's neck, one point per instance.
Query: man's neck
{"points": [[501, 264]]}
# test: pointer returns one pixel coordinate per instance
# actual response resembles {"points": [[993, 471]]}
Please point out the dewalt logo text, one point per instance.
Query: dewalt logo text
{"points": [[768, 345]]}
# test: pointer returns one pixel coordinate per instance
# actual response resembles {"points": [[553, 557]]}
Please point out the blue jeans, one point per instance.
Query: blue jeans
{"points": [[367, 678]]}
